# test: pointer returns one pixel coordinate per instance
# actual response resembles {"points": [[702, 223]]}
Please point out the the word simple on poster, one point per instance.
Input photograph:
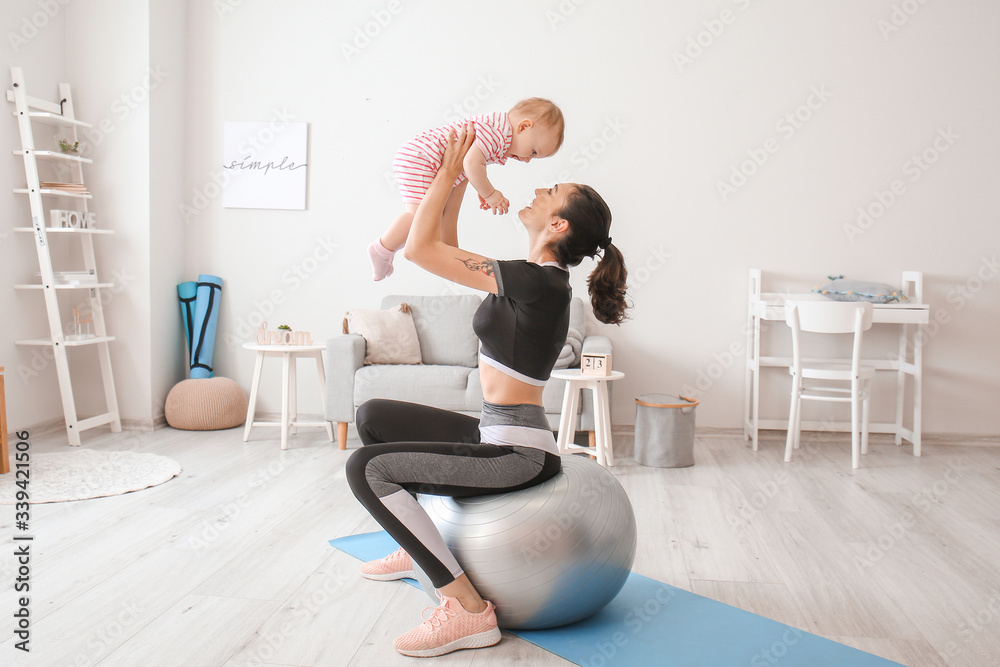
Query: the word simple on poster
{"points": [[265, 165]]}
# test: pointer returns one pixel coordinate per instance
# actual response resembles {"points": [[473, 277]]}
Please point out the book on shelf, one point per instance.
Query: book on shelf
{"points": [[76, 188], [72, 277]]}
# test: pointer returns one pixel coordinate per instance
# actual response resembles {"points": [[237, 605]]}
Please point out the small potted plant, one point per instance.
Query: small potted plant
{"points": [[71, 148]]}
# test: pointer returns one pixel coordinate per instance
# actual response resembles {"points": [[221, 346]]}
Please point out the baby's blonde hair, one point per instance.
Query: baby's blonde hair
{"points": [[544, 112]]}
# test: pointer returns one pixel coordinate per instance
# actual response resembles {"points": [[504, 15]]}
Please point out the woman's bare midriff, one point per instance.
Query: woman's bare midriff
{"points": [[505, 390]]}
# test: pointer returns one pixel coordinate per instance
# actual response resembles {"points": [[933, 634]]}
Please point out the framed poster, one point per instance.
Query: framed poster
{"points": [[265, 165]]}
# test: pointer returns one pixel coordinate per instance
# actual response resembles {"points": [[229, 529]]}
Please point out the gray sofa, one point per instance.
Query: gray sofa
{"points": [[448, 378]]}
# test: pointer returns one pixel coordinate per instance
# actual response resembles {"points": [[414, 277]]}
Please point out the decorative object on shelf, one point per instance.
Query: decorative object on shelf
{"points": [[272, 176], [80, 278], [205, 404], [78, 321], [29, 111], [595, 364], [69, 146], [283, 336], [68, 188], [73, 219]]}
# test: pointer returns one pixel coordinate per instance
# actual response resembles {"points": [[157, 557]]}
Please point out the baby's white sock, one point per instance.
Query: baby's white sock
{"points": [[381, 259]]}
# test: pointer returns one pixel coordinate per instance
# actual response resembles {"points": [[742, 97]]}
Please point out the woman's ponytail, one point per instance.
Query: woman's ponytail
{"points": [[588, 235], [606, 286]]}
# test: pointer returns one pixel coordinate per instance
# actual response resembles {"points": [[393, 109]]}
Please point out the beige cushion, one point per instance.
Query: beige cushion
{"points": [[390, 337], [444, 327], [206, 404]]}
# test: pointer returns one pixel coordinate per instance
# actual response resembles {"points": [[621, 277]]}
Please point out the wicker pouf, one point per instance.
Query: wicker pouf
{"points": [[207, 404]]}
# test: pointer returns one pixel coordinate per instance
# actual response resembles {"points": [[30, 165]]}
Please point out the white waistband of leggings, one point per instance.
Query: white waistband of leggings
{"points": [[519, 436]]}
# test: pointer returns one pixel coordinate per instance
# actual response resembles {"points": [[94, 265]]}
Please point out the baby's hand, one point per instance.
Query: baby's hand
{"points": [[497, 202]]}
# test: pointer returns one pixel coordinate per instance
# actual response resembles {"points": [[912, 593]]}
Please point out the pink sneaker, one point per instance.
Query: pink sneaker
{"points": [[449, 628], [396, 565]]}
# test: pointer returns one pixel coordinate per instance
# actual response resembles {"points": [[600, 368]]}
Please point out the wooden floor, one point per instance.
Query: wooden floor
{"points": [[228, 564]]}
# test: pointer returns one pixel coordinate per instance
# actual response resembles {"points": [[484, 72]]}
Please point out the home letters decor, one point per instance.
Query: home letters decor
{"points": [[73, 219]]}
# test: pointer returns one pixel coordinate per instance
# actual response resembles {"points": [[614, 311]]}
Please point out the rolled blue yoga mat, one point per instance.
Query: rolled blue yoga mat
{"points": [[206, 318], [187, 292]]}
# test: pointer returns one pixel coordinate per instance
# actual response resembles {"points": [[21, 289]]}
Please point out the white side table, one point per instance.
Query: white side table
{"points": [[575, 381], [289, 410]]}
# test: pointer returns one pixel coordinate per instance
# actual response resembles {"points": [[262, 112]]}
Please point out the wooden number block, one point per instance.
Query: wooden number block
{"points": [[595, 364]]}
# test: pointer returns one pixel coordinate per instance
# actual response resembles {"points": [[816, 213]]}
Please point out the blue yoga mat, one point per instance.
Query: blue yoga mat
{"points": [[187, 292], [652, 623], [206, 319]]}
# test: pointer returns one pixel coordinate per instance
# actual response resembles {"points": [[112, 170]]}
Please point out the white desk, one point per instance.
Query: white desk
{"points": [[763, 306], [289, 408]]}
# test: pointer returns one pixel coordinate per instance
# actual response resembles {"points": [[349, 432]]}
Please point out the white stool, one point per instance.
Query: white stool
{"points": [[289, 410], [575, 381]]}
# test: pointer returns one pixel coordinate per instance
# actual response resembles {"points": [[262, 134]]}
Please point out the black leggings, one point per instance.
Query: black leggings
{"points": [[412, 449]]}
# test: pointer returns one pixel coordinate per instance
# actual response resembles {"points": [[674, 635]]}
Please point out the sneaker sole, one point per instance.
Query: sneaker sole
{"points": [[480, 640], [392, 576]]}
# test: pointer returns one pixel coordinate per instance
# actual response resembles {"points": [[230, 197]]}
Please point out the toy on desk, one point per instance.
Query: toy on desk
{"points": [[595, 364], [283, 336], [78, 321], [841, 289]]}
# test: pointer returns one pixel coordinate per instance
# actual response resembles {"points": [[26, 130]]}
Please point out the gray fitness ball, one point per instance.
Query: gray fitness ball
{"points": [[546, 556]]}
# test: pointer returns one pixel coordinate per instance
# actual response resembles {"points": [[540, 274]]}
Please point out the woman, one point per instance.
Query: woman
{"points": [[522, 327]]}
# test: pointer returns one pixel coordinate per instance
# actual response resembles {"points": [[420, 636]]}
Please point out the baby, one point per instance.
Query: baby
{"points": [[533, 128]]}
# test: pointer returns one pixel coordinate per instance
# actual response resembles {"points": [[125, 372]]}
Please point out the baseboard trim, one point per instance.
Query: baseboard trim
{"points": [[143, 424], [45, 428], [936, 439], [58, 424], [624, 431]]}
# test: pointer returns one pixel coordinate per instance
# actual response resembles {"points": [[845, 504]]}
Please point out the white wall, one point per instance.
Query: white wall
{"points": [[107, 76], [654, 135], [168, 122], [33, 40], [131, 89]]}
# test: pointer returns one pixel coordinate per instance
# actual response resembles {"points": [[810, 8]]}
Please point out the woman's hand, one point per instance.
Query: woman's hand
{"points": [[452, 163]]}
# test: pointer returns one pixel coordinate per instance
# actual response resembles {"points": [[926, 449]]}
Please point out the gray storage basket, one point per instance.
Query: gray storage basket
{"points": [[664, 431]]}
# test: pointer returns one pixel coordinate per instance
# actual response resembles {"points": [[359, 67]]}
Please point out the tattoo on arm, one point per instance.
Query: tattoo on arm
{"points": [[474, 265]]}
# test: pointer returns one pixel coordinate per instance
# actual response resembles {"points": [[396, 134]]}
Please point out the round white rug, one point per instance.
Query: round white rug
{"points": [[79, 474]]}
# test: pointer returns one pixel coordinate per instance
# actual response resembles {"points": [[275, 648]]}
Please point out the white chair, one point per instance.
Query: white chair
{"points": [[810, 378]]}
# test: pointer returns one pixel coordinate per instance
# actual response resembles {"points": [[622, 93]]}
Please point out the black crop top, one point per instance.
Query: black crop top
{"points": [[523, 327]]}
